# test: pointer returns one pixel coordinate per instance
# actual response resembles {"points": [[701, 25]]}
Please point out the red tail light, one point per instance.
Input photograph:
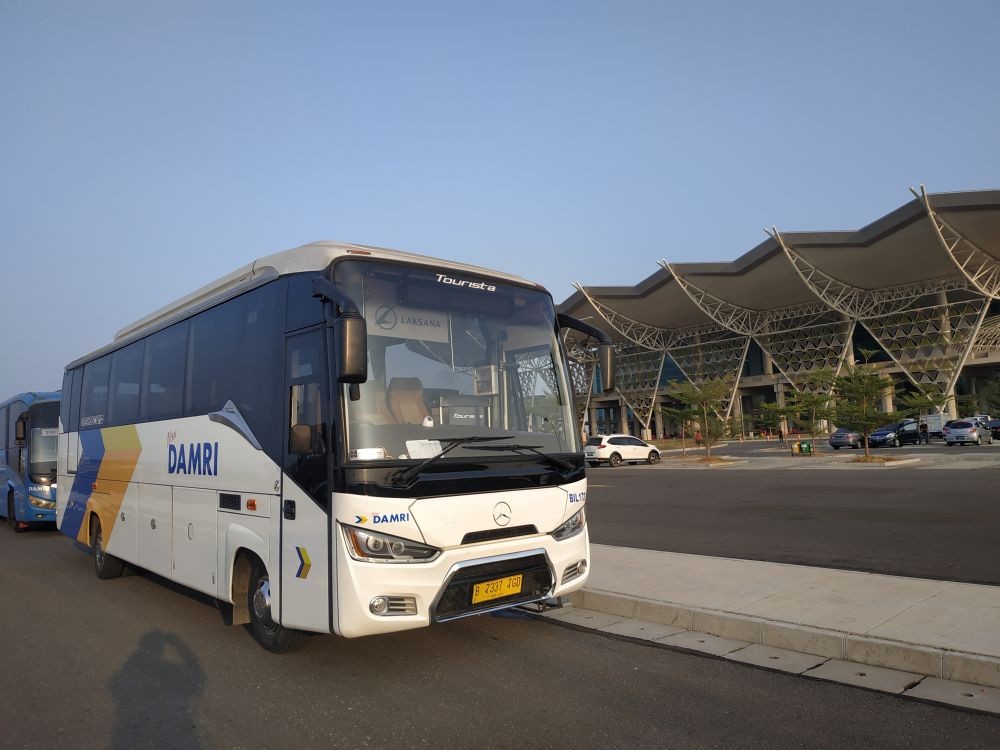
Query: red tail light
{"points": [[602, 445]]}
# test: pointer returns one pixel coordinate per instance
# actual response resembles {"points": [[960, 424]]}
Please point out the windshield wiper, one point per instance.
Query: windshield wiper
{"points": [[557, 462], [403, 477]]}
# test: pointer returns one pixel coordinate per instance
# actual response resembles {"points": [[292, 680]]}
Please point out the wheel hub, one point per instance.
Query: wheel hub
{"points": [[262, 600]]}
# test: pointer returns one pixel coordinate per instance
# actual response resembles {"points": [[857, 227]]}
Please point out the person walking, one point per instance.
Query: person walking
{"points": [[925, 437], [781, 436]]}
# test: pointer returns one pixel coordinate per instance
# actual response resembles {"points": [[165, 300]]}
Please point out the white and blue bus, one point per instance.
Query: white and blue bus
{"points": [[335, 439], [29, 430]]}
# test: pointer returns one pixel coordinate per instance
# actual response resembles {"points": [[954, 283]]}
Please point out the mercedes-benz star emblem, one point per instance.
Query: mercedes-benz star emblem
{"points": [[501, 514]]}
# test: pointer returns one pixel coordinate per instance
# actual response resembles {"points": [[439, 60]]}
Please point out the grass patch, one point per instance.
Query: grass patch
{"points": [[872, 459]]}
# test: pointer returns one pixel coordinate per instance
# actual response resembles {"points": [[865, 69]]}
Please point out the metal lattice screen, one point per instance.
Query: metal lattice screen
{"points": [[637, 376], [932, 342]]}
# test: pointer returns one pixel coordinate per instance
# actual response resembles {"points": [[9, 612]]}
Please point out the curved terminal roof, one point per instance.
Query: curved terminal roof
{"points": [[899, 249]]}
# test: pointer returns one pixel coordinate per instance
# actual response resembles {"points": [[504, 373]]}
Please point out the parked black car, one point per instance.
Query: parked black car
{"points": [[994, 427], [895, 434]]}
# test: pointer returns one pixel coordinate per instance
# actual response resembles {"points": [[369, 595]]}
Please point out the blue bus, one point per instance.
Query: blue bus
{"points": [[29, 437]]}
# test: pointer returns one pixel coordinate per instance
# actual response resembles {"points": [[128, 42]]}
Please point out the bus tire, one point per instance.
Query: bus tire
{"points": [[267, 632], [105, 565]]}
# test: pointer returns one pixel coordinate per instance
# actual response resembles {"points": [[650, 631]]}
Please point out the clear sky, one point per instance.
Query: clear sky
{"points": [[147, 148]]}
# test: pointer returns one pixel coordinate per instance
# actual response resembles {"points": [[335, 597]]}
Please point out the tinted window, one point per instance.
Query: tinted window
{"points": [[15, 410], [126, 377], [595, 441], [618, 441], [909, 428], [961, 425], [67, 390], [303, 309], [163, 374], [3, 432], [306, 375], [235, 355], [74, 407], [94, 403]]}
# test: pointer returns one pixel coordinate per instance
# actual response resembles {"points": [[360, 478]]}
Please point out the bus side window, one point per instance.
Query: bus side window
{"points": [[126, 376], [67, 389], [3, 432], [74, 401], [94, 404], [163, 374]]}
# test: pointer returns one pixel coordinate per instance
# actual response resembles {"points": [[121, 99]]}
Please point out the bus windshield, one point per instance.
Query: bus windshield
{"points": [[43, 419], [453, 355]]}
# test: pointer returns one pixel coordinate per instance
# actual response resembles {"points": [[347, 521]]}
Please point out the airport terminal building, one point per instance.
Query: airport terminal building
{"points": [[917, 291]]}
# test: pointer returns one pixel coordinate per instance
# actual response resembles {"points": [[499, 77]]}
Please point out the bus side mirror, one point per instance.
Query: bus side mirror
{"points": [[300, 440], [605, 348], [20, 428], [352, 340]]}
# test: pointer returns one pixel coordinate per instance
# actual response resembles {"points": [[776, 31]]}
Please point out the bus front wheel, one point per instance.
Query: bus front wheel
{"points": [[105, 565], [267, 632]]}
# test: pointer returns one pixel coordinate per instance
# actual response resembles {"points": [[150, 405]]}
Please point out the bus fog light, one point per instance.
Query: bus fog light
{"points": [[393, 605], [575, 570]]}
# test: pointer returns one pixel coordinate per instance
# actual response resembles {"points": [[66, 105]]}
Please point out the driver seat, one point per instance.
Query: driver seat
{"points": [[405, 397]]}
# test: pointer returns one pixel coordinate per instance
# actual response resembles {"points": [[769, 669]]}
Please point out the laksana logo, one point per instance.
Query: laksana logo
{"points": [[193, 458]]}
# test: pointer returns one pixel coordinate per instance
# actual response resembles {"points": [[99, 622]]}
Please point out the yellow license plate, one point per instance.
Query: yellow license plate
{"points": [[487, 590]]}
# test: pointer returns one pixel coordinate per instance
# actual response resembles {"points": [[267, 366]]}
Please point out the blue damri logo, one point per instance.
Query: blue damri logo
{"points": [[193, 458]]}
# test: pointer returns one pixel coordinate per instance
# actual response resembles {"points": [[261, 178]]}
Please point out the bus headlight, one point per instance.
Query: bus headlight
{"points": [[38, 502], [371, 546], [572, 527]]}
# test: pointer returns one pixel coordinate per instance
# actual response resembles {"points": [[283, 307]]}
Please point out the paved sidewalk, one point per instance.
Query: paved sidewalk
{"points": [[935, 628]]}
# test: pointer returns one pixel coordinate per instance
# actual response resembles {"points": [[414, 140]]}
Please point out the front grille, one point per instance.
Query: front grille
{"points": [[491, 535], [456, 600]]}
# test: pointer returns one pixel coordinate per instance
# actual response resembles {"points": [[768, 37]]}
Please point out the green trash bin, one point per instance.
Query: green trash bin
{"points": [[806, 447]]}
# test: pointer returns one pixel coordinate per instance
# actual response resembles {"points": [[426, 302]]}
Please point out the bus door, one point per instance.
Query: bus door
{"points": [[305, 500]]}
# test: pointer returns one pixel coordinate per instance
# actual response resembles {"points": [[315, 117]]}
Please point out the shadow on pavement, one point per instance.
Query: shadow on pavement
{"points": [[154, 694]]}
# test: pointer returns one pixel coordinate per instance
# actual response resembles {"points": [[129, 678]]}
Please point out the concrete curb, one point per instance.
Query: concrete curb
{"points": [[832, 644]]}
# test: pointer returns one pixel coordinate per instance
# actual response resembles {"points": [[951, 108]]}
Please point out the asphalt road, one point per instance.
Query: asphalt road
{"points": [[135, 662], [931, 524]]}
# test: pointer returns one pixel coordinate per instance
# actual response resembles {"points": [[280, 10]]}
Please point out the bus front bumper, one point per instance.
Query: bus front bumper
{"points": [[387, 597]]}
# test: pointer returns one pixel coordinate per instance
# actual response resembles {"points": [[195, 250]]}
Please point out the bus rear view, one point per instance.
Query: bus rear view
{"points": [[336, 439]]}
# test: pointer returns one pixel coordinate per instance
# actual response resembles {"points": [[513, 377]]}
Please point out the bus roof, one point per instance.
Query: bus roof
{"points": [[31, 397], [315, 256]]}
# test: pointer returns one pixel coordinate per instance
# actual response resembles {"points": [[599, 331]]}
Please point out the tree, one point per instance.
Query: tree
{"points": [[770, 416], [923, 402], [859, 393], [989, 396], [812, 406], [707, 401], [683, 415]]}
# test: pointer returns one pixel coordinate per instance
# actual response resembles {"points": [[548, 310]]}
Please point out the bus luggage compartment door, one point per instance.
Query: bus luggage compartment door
{"points": [[155, 528], [195, 538]]}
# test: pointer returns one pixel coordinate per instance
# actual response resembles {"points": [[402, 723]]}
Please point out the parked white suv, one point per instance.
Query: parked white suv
{"points": [[616, 449]]}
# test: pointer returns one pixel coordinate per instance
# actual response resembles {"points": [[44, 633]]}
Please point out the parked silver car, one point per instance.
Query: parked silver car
{"points": [[845, 437], [967, 431]]}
